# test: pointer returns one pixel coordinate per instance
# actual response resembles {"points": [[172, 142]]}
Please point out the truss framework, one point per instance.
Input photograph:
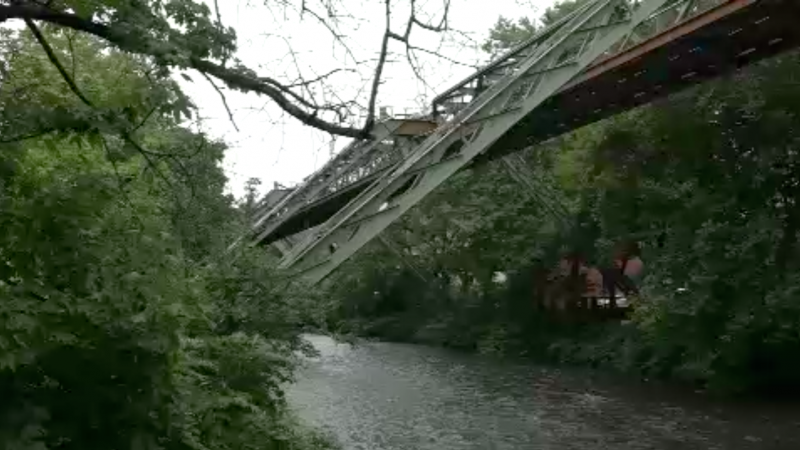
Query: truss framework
{"points": [[532, 73]]}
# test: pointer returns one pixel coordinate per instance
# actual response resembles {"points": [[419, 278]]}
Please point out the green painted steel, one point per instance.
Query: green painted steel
{"points": [[478, 114], [529, 76]]}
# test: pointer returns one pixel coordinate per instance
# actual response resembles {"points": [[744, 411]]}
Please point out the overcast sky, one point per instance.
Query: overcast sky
{"points": [[276, 148]]}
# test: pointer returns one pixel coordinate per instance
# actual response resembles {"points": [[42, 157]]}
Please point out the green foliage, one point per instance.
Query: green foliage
{"points": [[560, 9], [505, 33], [706, 181], [170, 35], [123, 324]]}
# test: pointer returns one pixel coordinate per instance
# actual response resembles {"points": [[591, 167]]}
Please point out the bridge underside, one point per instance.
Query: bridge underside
{"points": [[713, 44], [717, 43], [321, 210]]}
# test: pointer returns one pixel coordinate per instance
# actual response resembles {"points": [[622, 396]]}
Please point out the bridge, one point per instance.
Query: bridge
{"points": [[606, 57]]}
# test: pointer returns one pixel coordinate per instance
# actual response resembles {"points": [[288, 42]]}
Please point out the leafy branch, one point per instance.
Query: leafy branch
{"points": [[199, 40], [124, 133]]}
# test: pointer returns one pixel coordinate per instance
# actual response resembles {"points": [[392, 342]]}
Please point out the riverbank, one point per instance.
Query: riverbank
{"points": [[619, 347]]}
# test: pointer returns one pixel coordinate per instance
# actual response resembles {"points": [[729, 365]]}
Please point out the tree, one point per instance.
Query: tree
{"points": [[184, 34], [251, 196], [505, 34], [116, 295], [560, 9]]}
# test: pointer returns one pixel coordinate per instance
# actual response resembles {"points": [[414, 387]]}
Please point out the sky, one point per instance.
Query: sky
{"points": [[275, 41]]}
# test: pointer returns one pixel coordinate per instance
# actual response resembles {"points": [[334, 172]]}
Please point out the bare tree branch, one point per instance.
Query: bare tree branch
{"points": [[412, 61], [337, 36], [318, 78], [443, 25], [224, 100], [441, 56], [376, 80]]}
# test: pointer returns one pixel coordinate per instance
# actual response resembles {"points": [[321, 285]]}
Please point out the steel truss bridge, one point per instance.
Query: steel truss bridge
{"points": [[604, 58]]}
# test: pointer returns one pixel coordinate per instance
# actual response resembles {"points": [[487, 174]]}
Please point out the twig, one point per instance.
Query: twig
{"points": [[446, 58], [54, 60], [146, 155], [71, 52], [376, 81], [121, 182], [411, 62], [144, 120], [224, 100], [303, 86], [219, 16], [335, 33], [443, 26], [25, 137], [319, 78], [220, 26]]}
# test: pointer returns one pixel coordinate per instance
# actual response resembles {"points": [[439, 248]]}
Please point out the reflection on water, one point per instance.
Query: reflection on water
{"points": [[383, 396]]}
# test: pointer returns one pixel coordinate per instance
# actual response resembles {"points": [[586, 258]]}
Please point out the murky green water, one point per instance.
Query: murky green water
{"points": [[384, 396]]}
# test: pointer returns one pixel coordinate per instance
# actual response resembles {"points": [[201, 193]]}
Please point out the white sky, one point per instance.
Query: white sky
{"points": [[275, 147]]}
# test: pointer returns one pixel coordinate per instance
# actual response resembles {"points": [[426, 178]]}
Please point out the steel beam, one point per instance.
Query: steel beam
{"points": [[454, 145], [349, 157], [592, 64], [361, 159]]}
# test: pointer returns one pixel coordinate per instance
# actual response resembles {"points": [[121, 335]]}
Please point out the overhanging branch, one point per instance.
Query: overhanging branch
{"points": [[233, 78]]}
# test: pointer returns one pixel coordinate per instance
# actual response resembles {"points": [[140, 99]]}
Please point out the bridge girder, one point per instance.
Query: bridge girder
{"points": [[514, 102]]}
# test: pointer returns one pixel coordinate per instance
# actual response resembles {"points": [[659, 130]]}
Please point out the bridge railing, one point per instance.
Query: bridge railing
{"points": [[447, 104], [360, 160], [450, 102], [664, 19], [320, 181]]}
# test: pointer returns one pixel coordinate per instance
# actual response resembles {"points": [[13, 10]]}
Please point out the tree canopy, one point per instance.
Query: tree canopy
{"points": [[124, 323]]}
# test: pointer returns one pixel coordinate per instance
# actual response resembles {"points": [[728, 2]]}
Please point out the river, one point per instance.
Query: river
{"points": [[387, 396]]}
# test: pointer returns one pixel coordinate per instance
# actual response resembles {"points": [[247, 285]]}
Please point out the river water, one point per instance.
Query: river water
{"points": [[386, 396]]}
